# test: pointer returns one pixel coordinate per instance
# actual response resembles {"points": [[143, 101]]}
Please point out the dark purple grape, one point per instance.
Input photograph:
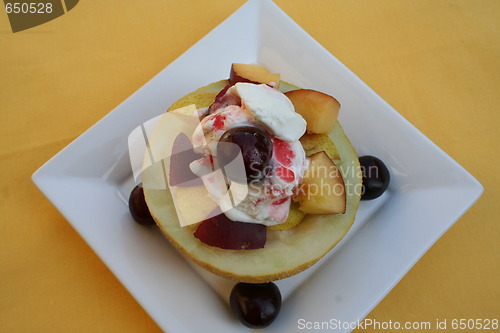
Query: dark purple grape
{"points": [[255, 305], [256, 149], [376, 177], [138, 207]]}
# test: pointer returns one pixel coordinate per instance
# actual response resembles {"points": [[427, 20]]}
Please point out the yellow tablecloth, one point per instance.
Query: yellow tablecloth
{"points": [[435, 61]]}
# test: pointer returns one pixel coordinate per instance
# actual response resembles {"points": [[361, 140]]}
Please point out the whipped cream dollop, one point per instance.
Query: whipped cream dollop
{"points": [[247, 104], [272, 108]]}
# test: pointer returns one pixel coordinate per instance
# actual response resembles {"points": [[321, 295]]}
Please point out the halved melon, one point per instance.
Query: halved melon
{"points": [[287, 252]]}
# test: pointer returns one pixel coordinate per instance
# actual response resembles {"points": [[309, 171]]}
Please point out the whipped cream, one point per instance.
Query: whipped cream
{"points": [[268, 200], [272, 108]]}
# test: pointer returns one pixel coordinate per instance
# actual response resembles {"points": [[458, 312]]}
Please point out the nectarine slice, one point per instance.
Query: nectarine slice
{"points": [[318, 109], [322, 190], [253, 74]]}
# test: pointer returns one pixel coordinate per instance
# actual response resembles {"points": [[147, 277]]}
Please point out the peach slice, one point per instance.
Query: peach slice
{"points": [[322, 190], [318, 109], [253, 74]]}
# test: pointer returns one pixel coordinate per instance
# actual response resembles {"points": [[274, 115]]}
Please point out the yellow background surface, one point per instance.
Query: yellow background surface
{"points": [[435, 61]]}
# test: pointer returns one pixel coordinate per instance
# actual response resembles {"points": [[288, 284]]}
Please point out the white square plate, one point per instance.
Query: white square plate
{"points": [[90, 180]]}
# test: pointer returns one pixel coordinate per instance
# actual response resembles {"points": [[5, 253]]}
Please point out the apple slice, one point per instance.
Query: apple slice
{"points": [[253, 74], [314, 143], [318, 109], [322, 190], [219, 231]]}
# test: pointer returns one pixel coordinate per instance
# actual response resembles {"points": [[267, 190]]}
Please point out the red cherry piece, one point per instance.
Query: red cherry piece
{"points": [[256, 150], [283, 152], [219, 122], [279, 201], [286, 174]]}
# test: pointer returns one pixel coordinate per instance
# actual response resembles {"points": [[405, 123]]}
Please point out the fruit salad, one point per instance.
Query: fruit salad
{"points": [[300, 177]]}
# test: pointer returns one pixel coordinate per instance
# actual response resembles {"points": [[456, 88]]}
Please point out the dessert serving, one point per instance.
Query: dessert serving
{"points": [[271, 179]]}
